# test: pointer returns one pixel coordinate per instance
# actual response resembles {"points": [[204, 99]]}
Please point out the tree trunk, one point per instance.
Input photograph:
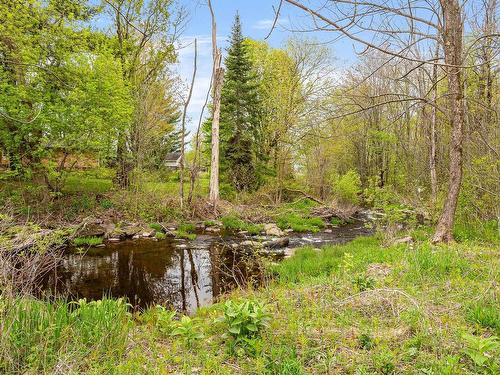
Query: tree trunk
{"points": [[214, 163], [453, 43], [433, 140], [183, 134], [218, 74]]}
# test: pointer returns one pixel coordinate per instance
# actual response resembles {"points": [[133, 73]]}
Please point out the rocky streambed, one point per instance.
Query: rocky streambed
{"points": [[179, 272]]}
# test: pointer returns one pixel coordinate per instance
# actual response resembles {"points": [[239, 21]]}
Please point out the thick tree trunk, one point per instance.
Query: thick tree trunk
{"points": [[453, 43], [218, 74], [214, 163]]}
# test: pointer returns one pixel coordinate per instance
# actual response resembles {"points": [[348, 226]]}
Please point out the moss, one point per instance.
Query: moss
{"points": [[88, 241]]}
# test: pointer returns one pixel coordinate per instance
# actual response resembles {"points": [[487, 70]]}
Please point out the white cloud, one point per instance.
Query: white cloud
{"points": [[266, 24]]}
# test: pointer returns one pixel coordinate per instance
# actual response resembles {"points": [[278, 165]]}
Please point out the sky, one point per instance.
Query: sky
{"points": [[257, 17]]}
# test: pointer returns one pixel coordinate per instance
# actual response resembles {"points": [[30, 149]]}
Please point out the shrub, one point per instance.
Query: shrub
{"points": [[347, 188]]}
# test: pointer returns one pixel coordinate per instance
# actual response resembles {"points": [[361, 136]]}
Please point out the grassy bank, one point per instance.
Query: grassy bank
{"points": [[358, 308]]}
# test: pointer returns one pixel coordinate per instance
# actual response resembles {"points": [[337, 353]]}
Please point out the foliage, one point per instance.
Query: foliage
{"points": [[245, 319], [185, 230], [188, 329], [347, 188], [363, 282], [482, 351]]}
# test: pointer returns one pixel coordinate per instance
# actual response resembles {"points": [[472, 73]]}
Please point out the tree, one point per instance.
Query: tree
{"points": [[412, 24], [240, 115], [217, 81]]}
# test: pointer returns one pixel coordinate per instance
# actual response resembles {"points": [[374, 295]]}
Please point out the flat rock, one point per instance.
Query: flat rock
{"points": [[272, 229]]}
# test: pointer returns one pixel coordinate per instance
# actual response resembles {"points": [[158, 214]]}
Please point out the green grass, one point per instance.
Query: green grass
{"points": [[87, 241], [186, 231], [37, 336], [358, 308], [300, 223], [234, 223]]}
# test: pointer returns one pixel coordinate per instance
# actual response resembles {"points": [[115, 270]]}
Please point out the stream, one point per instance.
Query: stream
{"points": [[181, 274]]}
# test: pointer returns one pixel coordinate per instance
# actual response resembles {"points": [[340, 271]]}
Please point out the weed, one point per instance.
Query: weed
{"points": [[156, 226], [234, 223], [487, 315], [160, 235], [365, 341], [244, 320], [482, 350], [363, 282], [188, 329], [186, 230]]}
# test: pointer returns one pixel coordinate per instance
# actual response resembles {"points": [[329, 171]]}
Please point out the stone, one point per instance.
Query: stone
{"points": [[212, 230], [276, 244], [328, 231], [92, 229], [149, 234], [249, 243], [272, 229]]}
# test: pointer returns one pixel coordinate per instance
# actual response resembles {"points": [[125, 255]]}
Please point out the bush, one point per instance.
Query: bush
{"points": [[347, 188]]}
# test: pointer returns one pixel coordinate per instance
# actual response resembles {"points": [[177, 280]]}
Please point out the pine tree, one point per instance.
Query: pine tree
{"points": [[239, 125]]}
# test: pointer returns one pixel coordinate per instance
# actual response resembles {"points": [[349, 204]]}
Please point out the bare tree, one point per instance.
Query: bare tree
{"points": [[183, 127], [218, 77], [395, 28]]}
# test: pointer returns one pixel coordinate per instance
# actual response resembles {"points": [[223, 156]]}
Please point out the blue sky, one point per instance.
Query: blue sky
{"points": [[256, 17]]}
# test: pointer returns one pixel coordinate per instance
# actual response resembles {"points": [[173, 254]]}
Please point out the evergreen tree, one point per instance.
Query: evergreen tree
{"points": [[240, 116]]}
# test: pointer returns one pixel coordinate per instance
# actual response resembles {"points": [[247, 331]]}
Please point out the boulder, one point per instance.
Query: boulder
{"points": [[272, 229], [276, 244], [92, 229]]}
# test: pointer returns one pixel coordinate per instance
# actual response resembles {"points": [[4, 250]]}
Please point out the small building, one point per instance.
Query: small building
{"points": [[173, 160]]}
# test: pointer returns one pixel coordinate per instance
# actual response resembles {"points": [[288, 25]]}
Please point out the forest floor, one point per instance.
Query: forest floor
{"points": [[360, 308]]}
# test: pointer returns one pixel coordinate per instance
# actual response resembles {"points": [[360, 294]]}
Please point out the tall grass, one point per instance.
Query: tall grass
{"points": [[38, 336]]}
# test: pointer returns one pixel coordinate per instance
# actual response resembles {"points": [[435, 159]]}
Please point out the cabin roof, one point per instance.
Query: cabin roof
{"points": [[172, 156]]}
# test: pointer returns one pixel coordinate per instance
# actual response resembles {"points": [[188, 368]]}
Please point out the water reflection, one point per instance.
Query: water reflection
{"points": [[177, 273], [144, 271]]}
